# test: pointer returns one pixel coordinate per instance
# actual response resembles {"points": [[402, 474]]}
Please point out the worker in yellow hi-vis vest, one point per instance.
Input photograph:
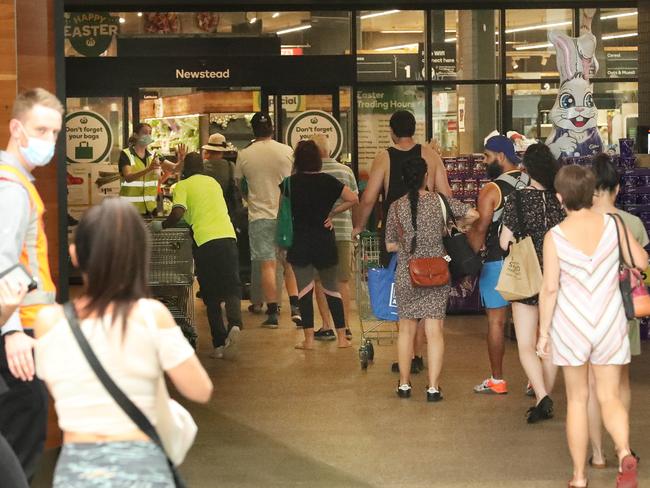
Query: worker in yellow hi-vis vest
{"points": [[141, 170]]}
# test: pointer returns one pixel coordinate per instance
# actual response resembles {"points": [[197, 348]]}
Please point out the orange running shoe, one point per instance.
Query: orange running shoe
{"points": [[492, 386]]}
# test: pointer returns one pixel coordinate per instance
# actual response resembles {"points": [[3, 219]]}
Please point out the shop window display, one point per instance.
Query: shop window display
{"points": [[464, 44], [390, 45], [458, 126], [617, 33], [529, 54], [375, 105], [300, 33]]}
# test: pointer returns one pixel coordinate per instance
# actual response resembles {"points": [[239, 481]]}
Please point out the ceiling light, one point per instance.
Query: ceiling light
{"points": [[139, 14], [253, 20], [396, 48], [275, 15], [402, 31], [293, 29], [122, 20], [536, 27], [533, 46], [451, 39], [618, 16], [378, 14], [514, 64], [620, 36]]}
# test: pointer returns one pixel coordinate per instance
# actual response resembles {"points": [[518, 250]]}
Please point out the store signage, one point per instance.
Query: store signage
{"points": [[91, 33], [313, 122], [88, 137], [443, 61], [291, 51], [622, 64], [389, 67], [202, 74], [461, 114]]}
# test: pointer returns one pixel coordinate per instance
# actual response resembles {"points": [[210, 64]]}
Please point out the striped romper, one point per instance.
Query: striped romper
{"points": [[589, 324]]}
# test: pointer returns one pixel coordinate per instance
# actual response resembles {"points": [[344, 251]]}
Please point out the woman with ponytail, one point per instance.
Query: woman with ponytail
{"points": [[414, 229]]}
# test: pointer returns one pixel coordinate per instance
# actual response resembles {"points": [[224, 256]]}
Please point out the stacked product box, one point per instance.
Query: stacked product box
{"points": [[467, 175]]}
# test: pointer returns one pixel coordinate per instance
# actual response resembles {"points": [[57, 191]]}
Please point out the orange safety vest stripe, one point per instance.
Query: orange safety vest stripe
{"points": [[34, 254]]}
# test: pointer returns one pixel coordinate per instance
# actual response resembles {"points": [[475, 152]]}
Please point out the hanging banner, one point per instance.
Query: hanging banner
{"points": [[313, 122], [88, 137], [90, 33]]}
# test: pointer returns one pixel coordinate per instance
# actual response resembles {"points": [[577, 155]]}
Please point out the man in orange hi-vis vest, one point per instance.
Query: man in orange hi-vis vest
{"points": [[34, 127]]}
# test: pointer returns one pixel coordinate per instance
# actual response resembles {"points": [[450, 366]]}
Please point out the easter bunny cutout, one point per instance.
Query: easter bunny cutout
{"points": [[574, 114]]}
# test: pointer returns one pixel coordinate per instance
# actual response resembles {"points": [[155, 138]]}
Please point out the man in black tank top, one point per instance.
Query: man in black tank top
{"points": [[503, 169], [385, 179]]}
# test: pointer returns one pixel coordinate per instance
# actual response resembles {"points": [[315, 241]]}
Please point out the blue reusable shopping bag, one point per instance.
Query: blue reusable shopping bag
{"points": [[381, 288]]}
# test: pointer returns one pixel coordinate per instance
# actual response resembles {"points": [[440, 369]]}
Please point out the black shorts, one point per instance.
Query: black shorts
{"points": [[217, 268]]}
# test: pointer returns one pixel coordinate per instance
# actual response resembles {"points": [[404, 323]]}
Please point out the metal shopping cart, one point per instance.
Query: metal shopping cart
{"points": [[171, 277], [372, 328]]}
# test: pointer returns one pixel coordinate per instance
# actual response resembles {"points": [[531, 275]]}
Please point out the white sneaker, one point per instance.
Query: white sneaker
{"points": [[217, 353], [233, 338]]}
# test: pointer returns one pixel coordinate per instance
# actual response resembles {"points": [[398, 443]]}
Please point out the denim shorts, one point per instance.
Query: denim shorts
{"points": [[487, 284], [112, 465], [261, 235]]}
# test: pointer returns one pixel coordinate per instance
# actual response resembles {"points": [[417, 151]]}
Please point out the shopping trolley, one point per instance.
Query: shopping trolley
{"points": [[171, 277], [372, 328]]}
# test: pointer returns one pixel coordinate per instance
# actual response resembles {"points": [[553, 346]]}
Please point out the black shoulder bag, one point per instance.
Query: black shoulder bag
{"points": [[464, 261], [129, 408]]}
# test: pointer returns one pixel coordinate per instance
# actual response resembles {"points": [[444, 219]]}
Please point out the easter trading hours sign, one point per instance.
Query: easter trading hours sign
{"points": [[308, 124], [88, 137]]}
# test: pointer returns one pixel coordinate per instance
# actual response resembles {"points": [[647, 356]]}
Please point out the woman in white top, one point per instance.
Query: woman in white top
{"points": [[135, 340]]}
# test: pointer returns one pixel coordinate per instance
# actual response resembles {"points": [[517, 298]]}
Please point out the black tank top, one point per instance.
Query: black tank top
{"points": [[396, 187]]}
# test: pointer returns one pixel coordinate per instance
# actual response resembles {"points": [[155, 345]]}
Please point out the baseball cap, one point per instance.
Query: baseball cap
{"points": [[503, 145], [261, 121]]}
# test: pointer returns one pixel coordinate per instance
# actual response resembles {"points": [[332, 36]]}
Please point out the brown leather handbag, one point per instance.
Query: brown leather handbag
{"points": [[428, 272]]}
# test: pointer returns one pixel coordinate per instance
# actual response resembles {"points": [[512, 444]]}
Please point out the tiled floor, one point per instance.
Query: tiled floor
{"points": [[284, 418]]}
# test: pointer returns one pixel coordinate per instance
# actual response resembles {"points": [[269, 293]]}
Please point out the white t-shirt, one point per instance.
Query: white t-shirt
{"points": [[264, 164]]}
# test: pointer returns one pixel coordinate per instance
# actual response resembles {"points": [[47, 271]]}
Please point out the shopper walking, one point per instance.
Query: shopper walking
{"points": [[386, 179], [313, 194], [540, 211], [223, 171], [414, 229], [11, 295], [34, 127], [136, 341], [502, 164], [199, 200], [343, 232], [607, 187], [141, 169], [582, 316], [264, 164]]}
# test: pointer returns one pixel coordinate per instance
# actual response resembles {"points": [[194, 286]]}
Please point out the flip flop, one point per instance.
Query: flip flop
{"points": [[597, 465]]}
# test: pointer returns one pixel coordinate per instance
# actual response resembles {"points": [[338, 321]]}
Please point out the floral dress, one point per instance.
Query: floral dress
{"points": [[541, 211]]}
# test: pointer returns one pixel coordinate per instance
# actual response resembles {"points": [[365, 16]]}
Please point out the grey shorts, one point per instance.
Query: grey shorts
{"points": [[112, 465], [261, 235]]}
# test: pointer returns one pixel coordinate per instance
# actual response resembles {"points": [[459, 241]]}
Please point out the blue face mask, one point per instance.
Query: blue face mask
{"points": [[38, 152]]}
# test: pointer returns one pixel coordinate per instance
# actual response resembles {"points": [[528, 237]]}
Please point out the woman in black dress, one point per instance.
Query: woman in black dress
{"points": [[313, 194], [540, 211]]}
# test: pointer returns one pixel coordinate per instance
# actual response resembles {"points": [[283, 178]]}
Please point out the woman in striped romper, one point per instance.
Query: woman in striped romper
{"points": [[582, 315]]}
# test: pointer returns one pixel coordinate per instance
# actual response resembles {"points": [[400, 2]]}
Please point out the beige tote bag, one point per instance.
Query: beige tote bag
{"points": [[521, 276]]}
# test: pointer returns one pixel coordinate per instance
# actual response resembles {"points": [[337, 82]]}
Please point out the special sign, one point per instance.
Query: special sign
{"points": [[313, 122], [88, 137]]}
